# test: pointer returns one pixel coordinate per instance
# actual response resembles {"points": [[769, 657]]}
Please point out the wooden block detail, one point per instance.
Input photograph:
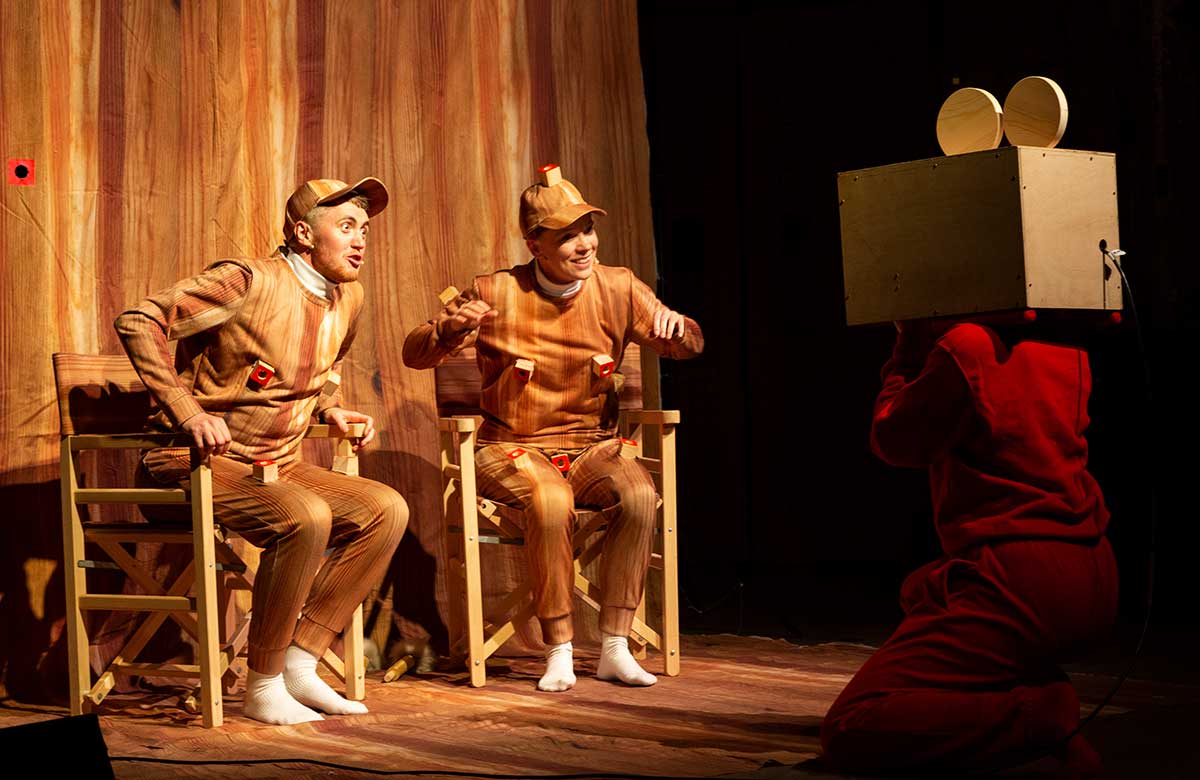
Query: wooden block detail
{"points": [[486, 508], [551, 174], [265, 471], [332, 383], [603, 365], [562, 462], [397, 670], [261, 373], [1012, 228], [523, 368], [346, 464], [630, 448], [448, 294]]}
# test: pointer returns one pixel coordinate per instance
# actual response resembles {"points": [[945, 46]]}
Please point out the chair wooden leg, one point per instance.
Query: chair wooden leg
{"points": [[354, 664], [75, 580], [476, 658], [453, 572], [670, 554], [208, 647]]}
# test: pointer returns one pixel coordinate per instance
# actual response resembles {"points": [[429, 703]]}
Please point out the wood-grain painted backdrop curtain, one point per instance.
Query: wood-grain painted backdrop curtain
{"points": [[166, 134]]}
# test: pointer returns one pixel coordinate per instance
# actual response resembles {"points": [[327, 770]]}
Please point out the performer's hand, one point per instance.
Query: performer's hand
{"points": [[467, 317], [669, 325], [342, 419], [210, 433]]}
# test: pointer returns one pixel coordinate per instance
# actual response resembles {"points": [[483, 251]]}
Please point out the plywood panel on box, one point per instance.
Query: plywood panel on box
{"points": [[932, 237], [1068, 206], [168, 135]]}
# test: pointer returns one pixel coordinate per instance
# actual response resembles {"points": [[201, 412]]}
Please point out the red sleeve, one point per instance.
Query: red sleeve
{"points": [[925, 406]]}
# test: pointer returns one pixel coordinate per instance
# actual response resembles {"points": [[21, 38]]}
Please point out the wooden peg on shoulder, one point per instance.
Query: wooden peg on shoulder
{"points": [[630, 448]]}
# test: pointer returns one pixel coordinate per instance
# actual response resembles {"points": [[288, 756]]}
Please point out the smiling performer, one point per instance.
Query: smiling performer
{"points": [[259, 341], [548, 334]]}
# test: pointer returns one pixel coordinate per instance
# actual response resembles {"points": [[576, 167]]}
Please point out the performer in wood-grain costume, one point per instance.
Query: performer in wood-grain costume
{"points": [[258, 342], [547, 335]]}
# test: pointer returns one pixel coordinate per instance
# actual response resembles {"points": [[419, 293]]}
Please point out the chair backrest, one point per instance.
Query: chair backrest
{"points": [[99, 394], [457, 381]]}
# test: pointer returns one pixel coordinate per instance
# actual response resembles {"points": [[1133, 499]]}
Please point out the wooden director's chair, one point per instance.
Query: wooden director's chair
{"points": [[472, 520], [101, 403]]}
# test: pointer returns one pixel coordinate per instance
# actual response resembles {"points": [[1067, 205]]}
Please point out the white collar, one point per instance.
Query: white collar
{"points": [[553, 289], [310, 277]]}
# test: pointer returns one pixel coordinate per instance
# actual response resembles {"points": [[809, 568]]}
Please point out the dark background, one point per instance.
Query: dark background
{"points": [[789, 526]]}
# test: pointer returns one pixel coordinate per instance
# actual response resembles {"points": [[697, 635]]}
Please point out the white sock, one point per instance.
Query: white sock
{"points": [[268, 700], [300, 676], [617, 663], [560, 669]]}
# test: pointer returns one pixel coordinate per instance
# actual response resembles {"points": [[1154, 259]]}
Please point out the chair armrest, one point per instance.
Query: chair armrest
{"points": [[129, 441], [457, 424], [651, 416], [328, 431]]}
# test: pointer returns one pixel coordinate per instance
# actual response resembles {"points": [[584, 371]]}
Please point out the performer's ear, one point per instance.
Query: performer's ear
{"points": [[303, 233]]}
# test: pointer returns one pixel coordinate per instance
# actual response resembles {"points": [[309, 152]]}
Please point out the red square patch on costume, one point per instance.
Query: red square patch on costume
{"points": [[562, 462], [20, 172]]}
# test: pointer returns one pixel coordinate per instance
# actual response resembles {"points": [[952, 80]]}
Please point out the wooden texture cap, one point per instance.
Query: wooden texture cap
{"points": [[552, 203]]}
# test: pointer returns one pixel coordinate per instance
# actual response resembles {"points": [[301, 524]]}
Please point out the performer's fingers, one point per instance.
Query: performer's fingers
{"points": [[368, 433]]}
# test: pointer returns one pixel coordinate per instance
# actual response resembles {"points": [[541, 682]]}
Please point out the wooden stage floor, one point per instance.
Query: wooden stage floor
{"points": [[744, 707]]}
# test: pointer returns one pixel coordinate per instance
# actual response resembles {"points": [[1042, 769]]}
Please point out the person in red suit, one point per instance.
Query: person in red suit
{"points": [[971, 677]]}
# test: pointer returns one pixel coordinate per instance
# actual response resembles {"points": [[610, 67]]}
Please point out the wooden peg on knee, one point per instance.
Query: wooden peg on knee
{"points": [[265, 471]]}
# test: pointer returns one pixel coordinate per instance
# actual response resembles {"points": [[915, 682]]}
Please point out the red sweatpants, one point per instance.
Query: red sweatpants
{"points": [[971, 676]]}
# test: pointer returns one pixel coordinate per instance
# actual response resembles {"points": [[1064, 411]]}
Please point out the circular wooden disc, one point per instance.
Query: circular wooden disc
{"points": [[969, 121], [1035, 113]]}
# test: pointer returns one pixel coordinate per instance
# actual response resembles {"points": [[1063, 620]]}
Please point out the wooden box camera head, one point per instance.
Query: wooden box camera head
{"points": [[983, 229]]}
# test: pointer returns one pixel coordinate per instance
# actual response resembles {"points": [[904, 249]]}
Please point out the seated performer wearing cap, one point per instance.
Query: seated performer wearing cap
{"points": [[566, 319], [258, 340], [970, 679]]}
